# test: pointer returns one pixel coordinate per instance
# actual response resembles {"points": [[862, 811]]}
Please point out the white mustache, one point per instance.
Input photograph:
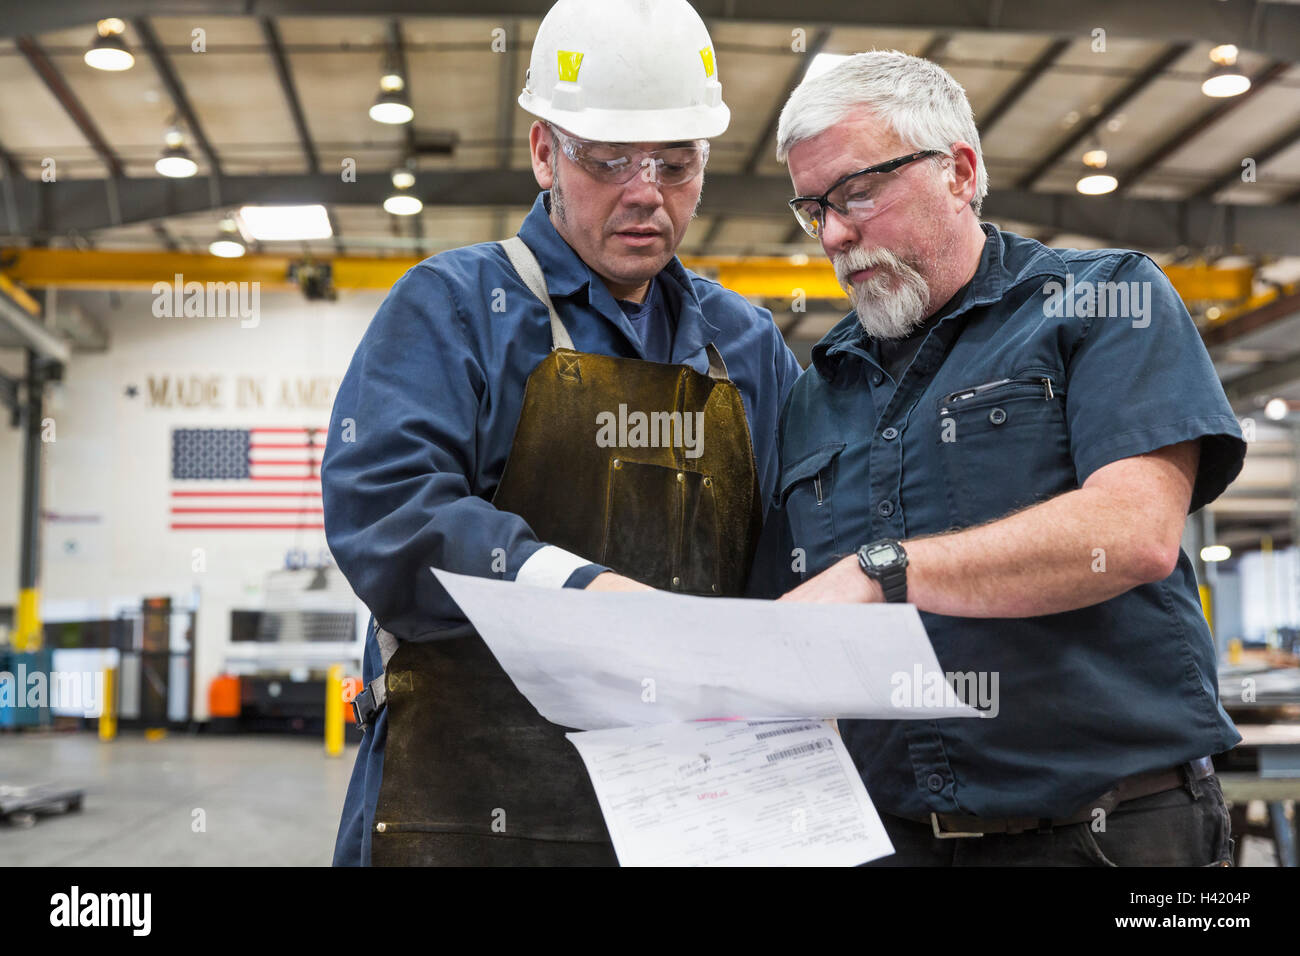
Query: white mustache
{"points": [[857, 259]]}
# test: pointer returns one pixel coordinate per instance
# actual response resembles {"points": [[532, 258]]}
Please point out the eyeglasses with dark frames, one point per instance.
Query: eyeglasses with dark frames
{"points": [[855, 196]]}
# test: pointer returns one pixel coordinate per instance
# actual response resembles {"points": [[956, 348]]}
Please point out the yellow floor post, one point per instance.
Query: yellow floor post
{"points": [[108, 708], [334, 711], [27, 621]]}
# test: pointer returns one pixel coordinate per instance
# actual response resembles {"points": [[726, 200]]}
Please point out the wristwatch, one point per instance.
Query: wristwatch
{"points": [[886, 561]]}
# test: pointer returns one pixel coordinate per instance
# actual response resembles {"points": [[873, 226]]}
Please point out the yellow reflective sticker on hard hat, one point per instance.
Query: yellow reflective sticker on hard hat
{"points": [[570, 63], [707, 56]]}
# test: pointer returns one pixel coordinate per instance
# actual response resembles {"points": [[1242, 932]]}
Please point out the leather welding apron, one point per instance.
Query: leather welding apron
{"points": [[472, 773]]}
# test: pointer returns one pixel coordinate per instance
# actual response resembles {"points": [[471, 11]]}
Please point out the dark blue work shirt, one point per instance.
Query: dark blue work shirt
{"points": [[1016, 396], [426, 415], [652, 322]]}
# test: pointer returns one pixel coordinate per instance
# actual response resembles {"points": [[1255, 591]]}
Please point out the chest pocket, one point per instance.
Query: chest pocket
{"points": [[1005, 445], [805, 494]]}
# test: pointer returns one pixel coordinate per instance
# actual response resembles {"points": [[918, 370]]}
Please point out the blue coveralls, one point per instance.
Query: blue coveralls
{"points": [[425, 417]]}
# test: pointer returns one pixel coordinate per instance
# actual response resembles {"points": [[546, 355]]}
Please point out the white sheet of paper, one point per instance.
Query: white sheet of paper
{"points": [[732, 793], [597, 660]]}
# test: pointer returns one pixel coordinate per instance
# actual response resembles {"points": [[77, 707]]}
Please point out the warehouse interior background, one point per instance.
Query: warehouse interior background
{"points": [[138, 143]]}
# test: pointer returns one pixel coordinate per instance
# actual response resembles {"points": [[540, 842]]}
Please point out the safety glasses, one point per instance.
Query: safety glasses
{"points": [[616, 163], [857, 196]]}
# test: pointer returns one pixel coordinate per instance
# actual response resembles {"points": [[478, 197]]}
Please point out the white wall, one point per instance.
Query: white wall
{"points": [[107, 475]]}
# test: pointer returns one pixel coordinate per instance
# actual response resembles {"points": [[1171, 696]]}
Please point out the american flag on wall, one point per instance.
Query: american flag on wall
{"points": [[246, 479]]}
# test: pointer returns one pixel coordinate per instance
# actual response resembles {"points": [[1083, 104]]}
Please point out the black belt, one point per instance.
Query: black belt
{"points": [[948, 826]]}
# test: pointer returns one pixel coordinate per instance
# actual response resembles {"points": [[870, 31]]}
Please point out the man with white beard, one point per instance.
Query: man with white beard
{"points": [[1019, 471]]}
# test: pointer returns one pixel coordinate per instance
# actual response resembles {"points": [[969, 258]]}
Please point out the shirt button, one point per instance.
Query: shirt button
{"points": [[877, 378], [885, 508], [998, 416], [889, 434], [934, 782]]}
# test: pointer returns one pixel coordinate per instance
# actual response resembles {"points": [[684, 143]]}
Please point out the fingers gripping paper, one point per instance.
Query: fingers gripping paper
{"points": [[597, 660]]}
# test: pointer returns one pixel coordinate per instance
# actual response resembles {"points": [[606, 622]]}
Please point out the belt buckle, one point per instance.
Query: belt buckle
{"points": [[941, 834]]}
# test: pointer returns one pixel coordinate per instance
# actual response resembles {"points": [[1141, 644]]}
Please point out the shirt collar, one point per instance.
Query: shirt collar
{"points": [[568, 275], [563, 268], [1006, 261]]}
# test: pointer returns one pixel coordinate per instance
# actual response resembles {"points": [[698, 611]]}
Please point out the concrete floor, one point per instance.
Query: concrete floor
{"points": [[267, 800]]}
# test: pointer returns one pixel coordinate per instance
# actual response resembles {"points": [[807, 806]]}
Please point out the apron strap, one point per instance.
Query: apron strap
{"points": [[717, 367], [530, 270], [387, 645]]}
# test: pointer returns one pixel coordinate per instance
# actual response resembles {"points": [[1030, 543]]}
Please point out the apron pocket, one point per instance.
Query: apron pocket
{"points": [[680, 551]]}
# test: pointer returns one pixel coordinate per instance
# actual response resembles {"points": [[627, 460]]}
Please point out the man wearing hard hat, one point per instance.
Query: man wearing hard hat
{"points": [[467, 435]]}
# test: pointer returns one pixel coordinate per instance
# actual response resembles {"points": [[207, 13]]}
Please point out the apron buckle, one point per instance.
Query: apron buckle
{"points": [[367, 704]]}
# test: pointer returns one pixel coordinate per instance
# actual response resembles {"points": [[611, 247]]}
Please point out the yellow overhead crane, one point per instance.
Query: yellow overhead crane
{"points": [[765, 277], [769, 277]]}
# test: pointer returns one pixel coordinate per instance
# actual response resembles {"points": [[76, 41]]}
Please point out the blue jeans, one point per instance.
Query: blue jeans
{"points": [[1186, 826]]}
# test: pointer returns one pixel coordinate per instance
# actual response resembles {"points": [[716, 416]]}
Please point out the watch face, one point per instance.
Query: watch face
{"points": [[882, 555]]}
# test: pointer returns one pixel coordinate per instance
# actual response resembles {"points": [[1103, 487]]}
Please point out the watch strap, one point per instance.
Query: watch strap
{"points": [[894, 583]]}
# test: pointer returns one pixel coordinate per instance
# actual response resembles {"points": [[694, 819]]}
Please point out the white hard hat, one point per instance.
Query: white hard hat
{"points": [[626, 71]]}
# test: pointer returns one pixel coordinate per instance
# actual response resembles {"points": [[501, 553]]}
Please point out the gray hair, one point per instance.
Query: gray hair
{"points": [[919, 100]]}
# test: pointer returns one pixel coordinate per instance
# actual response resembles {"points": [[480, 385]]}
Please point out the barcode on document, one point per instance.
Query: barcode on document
{"points": [[822, 744], [797, 729]]}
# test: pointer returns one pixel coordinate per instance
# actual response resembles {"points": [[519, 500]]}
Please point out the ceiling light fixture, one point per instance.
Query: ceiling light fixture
{"points": [[1226, 78], [1094, 182], [403, 203], [1215, 552], [108, 51], [228, 244], [390, 107], [176, 163]]}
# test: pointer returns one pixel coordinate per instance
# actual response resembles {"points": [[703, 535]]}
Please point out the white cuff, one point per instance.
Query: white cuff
{"points": [[549, 567]]}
